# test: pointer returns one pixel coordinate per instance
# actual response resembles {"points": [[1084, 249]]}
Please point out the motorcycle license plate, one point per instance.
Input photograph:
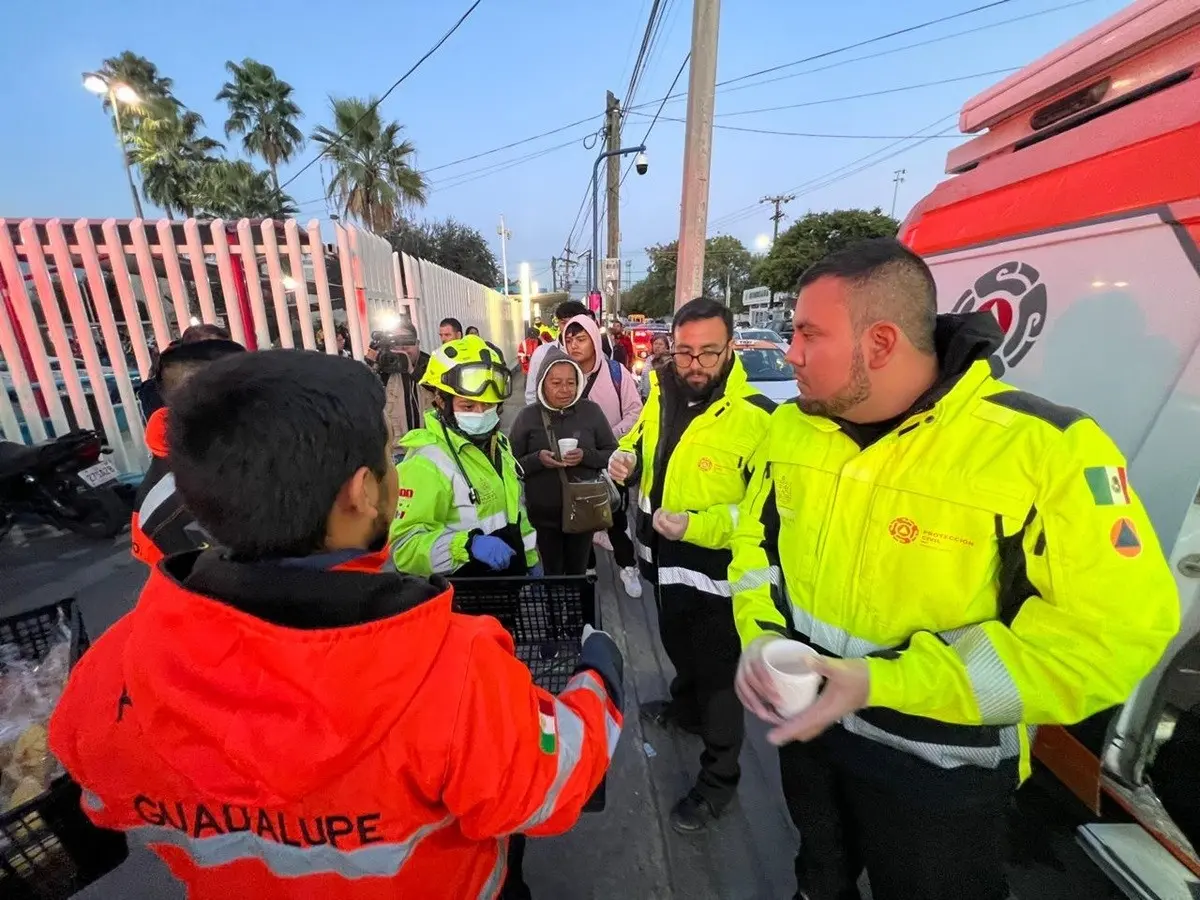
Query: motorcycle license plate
{"points": [[100, 473]]}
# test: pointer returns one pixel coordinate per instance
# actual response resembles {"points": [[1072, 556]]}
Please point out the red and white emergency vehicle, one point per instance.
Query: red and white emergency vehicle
{"points": [[1074, 215]]}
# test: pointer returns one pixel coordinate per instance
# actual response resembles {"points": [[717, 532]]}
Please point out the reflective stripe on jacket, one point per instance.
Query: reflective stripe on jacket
{"points": [[986, 555], [705, 476], [386, 757], [439, 509]]}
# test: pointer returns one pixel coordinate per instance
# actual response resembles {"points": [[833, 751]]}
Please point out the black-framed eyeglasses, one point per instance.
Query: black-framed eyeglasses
{"points": [[706, 358]]}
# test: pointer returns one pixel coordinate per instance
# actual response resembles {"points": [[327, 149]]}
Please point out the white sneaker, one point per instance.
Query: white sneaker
{"points": [[632, 579]]}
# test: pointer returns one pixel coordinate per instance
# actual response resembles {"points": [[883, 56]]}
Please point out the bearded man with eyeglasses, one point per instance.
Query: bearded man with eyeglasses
{"points": [[693, 444]]}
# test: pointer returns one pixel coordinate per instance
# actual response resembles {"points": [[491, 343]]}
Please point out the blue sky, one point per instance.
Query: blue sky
{"points": [[517, 68]]}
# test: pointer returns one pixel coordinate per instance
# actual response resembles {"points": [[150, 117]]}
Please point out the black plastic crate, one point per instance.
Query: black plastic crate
{"points": [[545, 616], [49, 849]]}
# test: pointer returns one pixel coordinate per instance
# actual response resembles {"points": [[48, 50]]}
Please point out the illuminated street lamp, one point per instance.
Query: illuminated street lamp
{"points": [[117, 93]]}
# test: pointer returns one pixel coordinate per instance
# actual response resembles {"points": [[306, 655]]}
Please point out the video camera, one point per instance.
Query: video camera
{"points": [[390, 355]]}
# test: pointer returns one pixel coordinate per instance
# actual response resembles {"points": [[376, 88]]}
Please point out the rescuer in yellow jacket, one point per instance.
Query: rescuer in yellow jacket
{"points": [[693, 442], [972, 553]]}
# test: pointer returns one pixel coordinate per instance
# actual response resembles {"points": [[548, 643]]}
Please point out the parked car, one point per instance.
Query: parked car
{"points": [[767, 369], [760, 334]]}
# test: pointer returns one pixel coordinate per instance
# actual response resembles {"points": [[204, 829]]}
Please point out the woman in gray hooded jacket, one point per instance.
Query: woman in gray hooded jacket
{"points": [[560, 387]]}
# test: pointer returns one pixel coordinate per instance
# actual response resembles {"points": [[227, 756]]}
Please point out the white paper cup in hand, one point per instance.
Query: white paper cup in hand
{"points": [[796, 683], [566, 445]]}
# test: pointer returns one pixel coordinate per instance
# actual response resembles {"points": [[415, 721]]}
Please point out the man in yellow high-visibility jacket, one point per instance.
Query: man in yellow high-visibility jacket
{"points": [[693, 444], [968, 558]]}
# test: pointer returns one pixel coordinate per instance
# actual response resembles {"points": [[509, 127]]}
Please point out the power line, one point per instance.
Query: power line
{"points": [[845, 97], [806, 134], [874, 40], [370, 109], [654, 121], [467, 177], [890, 51], [635, 75], [839, 173], [509, 146]]}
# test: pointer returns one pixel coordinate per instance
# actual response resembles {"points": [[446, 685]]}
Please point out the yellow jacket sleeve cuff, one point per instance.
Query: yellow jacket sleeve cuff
{"points": [[887, 683]]}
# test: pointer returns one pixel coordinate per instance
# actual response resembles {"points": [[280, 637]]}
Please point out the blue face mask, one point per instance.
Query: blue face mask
{"points": [[478, 424]]}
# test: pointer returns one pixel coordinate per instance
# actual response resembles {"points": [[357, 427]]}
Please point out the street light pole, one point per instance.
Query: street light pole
{"points": [[100, 84], [116, 107], [596, 258]]}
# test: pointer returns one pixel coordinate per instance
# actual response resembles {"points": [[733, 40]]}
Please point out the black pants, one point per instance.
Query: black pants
{"points": [[698, 634], [515, 887], [910, 852], [563, 554]]}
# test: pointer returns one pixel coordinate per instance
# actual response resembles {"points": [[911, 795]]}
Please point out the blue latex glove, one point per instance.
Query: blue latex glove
{"points": [[491, 551], [537, 571]]}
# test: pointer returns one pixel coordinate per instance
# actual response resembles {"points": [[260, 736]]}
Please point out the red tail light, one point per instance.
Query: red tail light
{"points": [[89, 452]]}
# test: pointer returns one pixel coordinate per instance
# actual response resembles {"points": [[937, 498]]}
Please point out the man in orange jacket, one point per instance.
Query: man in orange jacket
{"points": [[161, 524], [281, 719]]}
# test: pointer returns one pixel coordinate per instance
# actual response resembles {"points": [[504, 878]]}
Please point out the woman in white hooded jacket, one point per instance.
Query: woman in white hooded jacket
{"points": [[613, 388]]}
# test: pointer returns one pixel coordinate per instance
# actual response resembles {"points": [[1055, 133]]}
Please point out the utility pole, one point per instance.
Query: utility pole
{"points": [[899, 180], [505, 234], [778, 200], [613, 245], [697, 150], [554, 273], [628, 274], [568, 264]]}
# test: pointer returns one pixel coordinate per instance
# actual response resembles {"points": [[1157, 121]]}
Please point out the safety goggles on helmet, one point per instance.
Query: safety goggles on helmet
{"points": [[485, 381]]}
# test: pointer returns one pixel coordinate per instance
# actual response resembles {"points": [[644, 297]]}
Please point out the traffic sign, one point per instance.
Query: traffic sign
{"points": [[611, 277]]}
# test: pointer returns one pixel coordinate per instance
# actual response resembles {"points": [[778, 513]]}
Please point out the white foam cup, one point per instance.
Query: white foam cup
{"points": [[566, 445], [796, 683]]}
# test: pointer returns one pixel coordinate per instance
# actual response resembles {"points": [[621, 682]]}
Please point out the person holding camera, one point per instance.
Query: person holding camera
{"points": [[401, 363]]}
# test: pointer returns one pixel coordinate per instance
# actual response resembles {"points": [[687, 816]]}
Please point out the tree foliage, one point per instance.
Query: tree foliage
{"points": [[725, 259], [813, 236], [374, 179], [234, 189], [262, 111], [176, 161], [170, 153], [450, 244]]}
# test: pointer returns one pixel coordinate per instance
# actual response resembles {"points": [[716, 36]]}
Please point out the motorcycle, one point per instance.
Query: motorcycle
{"points": [[64, 482]]}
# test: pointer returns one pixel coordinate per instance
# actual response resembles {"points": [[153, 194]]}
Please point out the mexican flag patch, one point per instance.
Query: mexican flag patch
{"points": [[1108, 485], [548, 725]]}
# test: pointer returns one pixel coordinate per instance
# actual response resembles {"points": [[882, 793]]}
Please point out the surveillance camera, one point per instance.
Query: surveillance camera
{"points": [[641, 163]]}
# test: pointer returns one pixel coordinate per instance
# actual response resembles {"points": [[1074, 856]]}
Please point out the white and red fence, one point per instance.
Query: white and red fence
{"points": [[85, 306]]}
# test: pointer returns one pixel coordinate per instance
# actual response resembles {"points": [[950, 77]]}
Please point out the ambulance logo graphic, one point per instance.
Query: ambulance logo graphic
{"points": [[1015, 295]]}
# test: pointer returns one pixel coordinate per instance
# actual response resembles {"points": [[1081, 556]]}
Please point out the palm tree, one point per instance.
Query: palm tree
{"points": [[374, 179], [169, 152], [154, 91], [261, 109], [234, 189]]}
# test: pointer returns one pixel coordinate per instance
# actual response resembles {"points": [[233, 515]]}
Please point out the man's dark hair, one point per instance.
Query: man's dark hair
{"points": [[704, 308], [261, 444], [570, 309], [891, 284], [453, 323], [181, 360], [203, 332]]}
